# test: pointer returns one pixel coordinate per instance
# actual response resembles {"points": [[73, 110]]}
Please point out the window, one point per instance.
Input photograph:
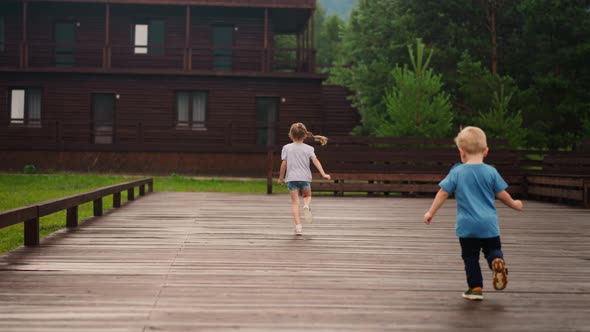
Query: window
{"points": [[2, 47], [141, 38], [149, 37], [25, 106], [191, 109]]}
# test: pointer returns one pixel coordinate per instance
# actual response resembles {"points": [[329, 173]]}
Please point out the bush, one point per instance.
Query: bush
{"points": [[30, 169]]}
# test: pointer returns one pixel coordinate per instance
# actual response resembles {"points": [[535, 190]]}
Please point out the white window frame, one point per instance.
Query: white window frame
{"points": [[21, 108], [140, 38]]}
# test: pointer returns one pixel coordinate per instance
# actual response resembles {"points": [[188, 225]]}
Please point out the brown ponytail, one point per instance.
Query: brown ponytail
{"points": [[299, 132]]}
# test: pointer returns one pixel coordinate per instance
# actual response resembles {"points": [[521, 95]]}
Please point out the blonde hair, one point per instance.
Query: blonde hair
{"points": [[299, 132], [472, 140]]}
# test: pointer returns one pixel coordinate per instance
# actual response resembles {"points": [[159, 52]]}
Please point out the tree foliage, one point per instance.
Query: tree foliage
{"points": [[329, 39], [374, 42], [416, 104], [500, 122], [541, 52]]}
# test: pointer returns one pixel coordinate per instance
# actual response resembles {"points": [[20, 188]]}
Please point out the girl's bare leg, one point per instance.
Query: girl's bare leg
{"points": [[306, 208], [307, 197], [295, 206]]}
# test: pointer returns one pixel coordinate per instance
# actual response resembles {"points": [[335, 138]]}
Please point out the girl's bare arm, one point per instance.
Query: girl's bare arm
{"points": [[318, 165], [282, 171]]}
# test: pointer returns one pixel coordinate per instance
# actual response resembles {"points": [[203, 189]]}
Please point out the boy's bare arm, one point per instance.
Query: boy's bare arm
{"points": [[439, 199], [505, 198], [318, 165], [282, 171]]}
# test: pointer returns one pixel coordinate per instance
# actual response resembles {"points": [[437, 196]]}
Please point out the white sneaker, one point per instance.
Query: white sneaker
{"points": [[307, 214], [298, 229]]}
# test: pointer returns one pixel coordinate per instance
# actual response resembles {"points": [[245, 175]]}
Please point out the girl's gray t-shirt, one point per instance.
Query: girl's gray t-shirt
{"points": [[298, 157]]}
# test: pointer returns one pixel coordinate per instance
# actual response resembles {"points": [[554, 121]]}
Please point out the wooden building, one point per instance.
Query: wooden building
{"points": [[161, 86]]}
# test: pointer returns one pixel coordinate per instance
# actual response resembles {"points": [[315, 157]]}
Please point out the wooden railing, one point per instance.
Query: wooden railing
{"points": [[401, 164], [134, 136], [30, 214], [95, 56]]}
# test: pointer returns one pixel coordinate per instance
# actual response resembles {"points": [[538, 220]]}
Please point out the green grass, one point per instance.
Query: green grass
{"points": [[19, 190], [187, 184]]}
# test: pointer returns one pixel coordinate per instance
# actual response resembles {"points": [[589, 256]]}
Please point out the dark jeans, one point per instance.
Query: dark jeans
{"points": [[470, 248]]}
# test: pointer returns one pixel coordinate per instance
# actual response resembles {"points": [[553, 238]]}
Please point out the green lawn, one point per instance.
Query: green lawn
{"points": [[19, 190]]}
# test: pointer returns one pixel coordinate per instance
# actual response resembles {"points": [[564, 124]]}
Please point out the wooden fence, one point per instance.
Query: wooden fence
{"points": [[30, 214], [416, 165]]}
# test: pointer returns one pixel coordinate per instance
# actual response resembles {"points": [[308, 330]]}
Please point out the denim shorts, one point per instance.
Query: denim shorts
{"points": [[294, 185]]}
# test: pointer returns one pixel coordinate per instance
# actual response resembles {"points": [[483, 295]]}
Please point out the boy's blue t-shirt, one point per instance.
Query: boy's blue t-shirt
{"points": [[475, 187]]}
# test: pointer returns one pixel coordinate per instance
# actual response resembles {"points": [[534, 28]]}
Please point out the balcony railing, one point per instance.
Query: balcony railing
{"points": [[120, 57]]}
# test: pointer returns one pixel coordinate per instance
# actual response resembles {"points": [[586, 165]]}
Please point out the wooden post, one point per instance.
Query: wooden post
{"points": [[298, 53], [305, 48], [106, 61], [312, 43], [142, 190], [32, 232], [131, 194], [187, 40], [265, 61], [72, 217], [151, 186], [586, 187], [24, 47], [98, 207], [269, 157], [117, 200]]}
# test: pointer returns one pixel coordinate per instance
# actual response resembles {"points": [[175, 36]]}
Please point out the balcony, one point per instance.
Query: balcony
{"points": [[121, 58], [221, 37]]}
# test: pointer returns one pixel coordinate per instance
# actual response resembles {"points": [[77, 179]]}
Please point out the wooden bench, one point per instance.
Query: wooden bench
{"points": [[564, 177], [394, 165]]}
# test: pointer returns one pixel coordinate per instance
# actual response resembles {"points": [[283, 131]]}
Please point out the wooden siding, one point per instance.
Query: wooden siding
{"points": [[145, 110], [340, 118]]}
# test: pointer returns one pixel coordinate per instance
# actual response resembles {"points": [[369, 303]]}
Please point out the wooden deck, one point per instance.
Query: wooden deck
{"points": [[225, 262]]}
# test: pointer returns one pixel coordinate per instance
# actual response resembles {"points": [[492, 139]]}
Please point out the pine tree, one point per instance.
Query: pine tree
{"points": [[416, 104]]}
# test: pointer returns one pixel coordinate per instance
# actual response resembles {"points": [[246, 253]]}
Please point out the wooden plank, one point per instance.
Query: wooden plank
{"points": [[374, 187], [387, 177], [555, 181], [565, 193], [227, 262]]}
